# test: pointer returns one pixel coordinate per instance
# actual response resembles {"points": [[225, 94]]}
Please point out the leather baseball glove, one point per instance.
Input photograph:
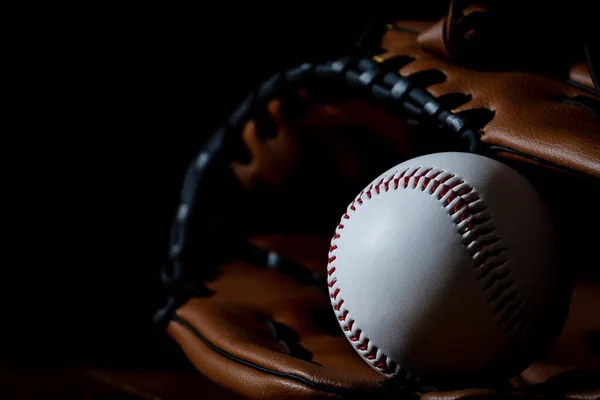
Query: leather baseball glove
{"points": [[247, 297]]}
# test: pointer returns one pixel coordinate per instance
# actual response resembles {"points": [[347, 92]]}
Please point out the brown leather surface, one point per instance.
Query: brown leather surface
{"points": [[528, 116], [579, 343], [235, 377], [335, 126], [433, 39], [580, 73], [234, 319], [502, 34], [445, 39]]}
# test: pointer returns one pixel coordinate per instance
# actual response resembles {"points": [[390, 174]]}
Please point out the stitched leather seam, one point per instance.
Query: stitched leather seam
{"points": [[249, 364], [501, 149], [400, 28], [478, 236]]}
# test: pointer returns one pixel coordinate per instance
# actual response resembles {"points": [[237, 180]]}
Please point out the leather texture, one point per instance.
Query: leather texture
{"points": [[580, 74], [448, 256], [274, 317], [532, 114], [271, 205], [491, 34]]}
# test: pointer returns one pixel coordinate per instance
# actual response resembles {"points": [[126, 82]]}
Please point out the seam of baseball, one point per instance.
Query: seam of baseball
{"points": [[471, 217]]}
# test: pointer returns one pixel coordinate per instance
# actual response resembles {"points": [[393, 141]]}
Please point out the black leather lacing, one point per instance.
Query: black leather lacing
{"points": [[370, 77], [589, 103]]}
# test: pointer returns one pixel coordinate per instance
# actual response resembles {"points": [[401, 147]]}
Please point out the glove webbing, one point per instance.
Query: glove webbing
{"points": [[374, 80]]}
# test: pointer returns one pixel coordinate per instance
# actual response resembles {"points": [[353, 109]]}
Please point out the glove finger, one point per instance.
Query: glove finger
{"points": [[567, 114], [262, 334]]}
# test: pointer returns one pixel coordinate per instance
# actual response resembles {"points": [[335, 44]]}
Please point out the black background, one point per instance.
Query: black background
{"points": [[118, 102]]}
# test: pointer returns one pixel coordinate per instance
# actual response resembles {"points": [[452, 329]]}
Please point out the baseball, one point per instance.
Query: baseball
{"points": [[446, 267]]}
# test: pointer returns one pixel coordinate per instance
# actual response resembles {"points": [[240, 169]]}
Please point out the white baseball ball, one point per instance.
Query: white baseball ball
{"points": [[446, 267]]}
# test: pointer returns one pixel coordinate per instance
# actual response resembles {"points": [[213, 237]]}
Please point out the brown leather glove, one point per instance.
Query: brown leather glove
{"points": [[247, 300]]}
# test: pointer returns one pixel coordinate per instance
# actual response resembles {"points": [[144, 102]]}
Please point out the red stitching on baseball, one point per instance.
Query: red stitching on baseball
{"points": [[416, 183], [397, 180], [445, 178], [349, 326], [455, 183], [377, 186], [386, 184], [513, 308], [371, 354], [443, 191], [450, 198], [465, 190], [499, 290], [343, 316], [457, 207]]}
